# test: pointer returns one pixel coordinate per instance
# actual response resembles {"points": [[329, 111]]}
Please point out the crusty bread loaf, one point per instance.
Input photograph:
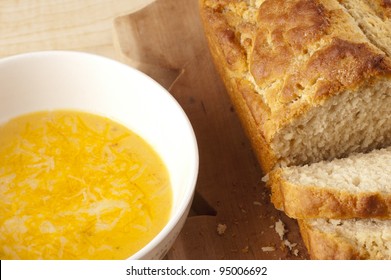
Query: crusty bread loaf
{"points": [[310, 79], [355, 187], [347, 239]]}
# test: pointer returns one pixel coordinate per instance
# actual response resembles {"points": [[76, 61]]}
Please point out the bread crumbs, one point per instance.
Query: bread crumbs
{"points": [[280, 229], [245, 249], [268, 249], [221, 228], [290, 245]]}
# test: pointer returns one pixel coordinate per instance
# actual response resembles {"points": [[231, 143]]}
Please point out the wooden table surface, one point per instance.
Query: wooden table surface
{"points": [[231, 216]]}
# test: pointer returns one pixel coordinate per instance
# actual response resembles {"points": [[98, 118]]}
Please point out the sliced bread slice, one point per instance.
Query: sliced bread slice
{"points": [[347, 239], [355, 187]]}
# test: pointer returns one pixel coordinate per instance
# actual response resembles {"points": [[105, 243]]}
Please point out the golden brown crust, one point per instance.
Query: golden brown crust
{"points": [[303, 202], [287, 57], [341, 65], [383, 8], [327, 246], [282, 36], [248, 104]]}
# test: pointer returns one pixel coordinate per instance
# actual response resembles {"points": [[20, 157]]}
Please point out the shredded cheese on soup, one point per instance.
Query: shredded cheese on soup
{"points": [[74, 185]]}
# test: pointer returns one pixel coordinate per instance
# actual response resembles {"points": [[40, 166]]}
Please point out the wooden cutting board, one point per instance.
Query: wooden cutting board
{"points": [[231, 217]]}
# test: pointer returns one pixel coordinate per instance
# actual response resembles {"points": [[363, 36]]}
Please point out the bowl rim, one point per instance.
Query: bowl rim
{"points": [[176, 216]]}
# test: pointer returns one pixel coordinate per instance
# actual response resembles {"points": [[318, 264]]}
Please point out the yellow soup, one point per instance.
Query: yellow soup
{"points": [[75, 185]]}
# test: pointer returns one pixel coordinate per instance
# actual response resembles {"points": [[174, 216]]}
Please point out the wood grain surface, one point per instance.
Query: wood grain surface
{"points": [[164, 38], [87, 25]]}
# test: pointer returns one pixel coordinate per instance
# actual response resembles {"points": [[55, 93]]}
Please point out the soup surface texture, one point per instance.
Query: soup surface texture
{"points": [[75, 185]]}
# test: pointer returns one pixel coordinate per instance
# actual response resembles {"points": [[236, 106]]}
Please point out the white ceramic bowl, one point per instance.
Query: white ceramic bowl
{"points": [[72, 80]]}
